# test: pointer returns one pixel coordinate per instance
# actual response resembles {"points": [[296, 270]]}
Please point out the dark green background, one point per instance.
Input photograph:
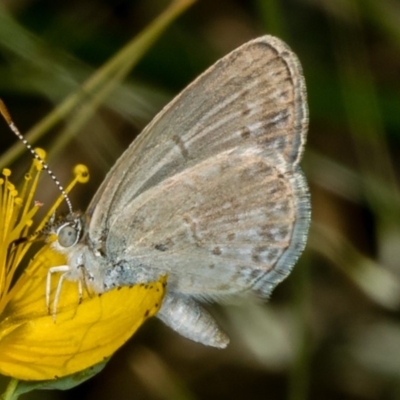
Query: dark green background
{"points": [[332, 329]]}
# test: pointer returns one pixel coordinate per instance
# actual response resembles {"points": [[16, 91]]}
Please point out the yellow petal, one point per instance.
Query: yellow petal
{"points": [[34, 346]]}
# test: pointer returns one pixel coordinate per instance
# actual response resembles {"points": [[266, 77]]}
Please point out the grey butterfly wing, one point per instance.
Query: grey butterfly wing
{"points": [[252, 98]]}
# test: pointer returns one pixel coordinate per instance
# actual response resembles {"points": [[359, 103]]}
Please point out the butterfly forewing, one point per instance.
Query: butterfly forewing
{"points": [[252, 98]]}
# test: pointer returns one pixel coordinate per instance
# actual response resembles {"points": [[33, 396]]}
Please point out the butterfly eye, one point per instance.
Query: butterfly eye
{"points": [[67, 235]]}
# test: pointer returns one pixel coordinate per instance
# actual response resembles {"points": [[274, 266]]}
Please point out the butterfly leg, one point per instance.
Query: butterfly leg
{"points": [[58, 292], [80, 290], [61, 268], [82, 282], [189, 319]]}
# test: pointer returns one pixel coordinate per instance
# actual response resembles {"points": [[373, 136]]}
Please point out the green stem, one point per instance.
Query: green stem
{"points": [[10, 390], [299, 379], [112, 72]]}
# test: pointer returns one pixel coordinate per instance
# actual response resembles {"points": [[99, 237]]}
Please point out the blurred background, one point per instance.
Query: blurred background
{"points": [[332, 329]]}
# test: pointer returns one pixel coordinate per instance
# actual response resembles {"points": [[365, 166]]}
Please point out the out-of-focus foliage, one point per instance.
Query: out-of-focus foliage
{"points": [[332, 330]]}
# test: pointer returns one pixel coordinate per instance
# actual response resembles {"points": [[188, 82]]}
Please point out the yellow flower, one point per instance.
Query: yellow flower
{"points": [[33, 344]]}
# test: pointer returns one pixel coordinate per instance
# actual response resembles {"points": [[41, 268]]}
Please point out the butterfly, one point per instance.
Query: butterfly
{"points": [[210, 194]]}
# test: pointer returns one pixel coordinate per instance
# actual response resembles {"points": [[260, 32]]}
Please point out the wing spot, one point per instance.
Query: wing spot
{"points": [[245, 132], [181, 146], [265, 254], [231, 236], [217, 251], [193, 227], [161, 247], [246, 111]]}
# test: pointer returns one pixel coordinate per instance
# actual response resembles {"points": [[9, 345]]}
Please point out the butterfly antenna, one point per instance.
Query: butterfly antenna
{"points": [[7, 117]]}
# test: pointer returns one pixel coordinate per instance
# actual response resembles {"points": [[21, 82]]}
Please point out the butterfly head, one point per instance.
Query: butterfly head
{"points": [[67, 231]]}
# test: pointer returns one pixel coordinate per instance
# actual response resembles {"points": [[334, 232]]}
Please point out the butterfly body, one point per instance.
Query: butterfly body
{"points": [[210, 194]]}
